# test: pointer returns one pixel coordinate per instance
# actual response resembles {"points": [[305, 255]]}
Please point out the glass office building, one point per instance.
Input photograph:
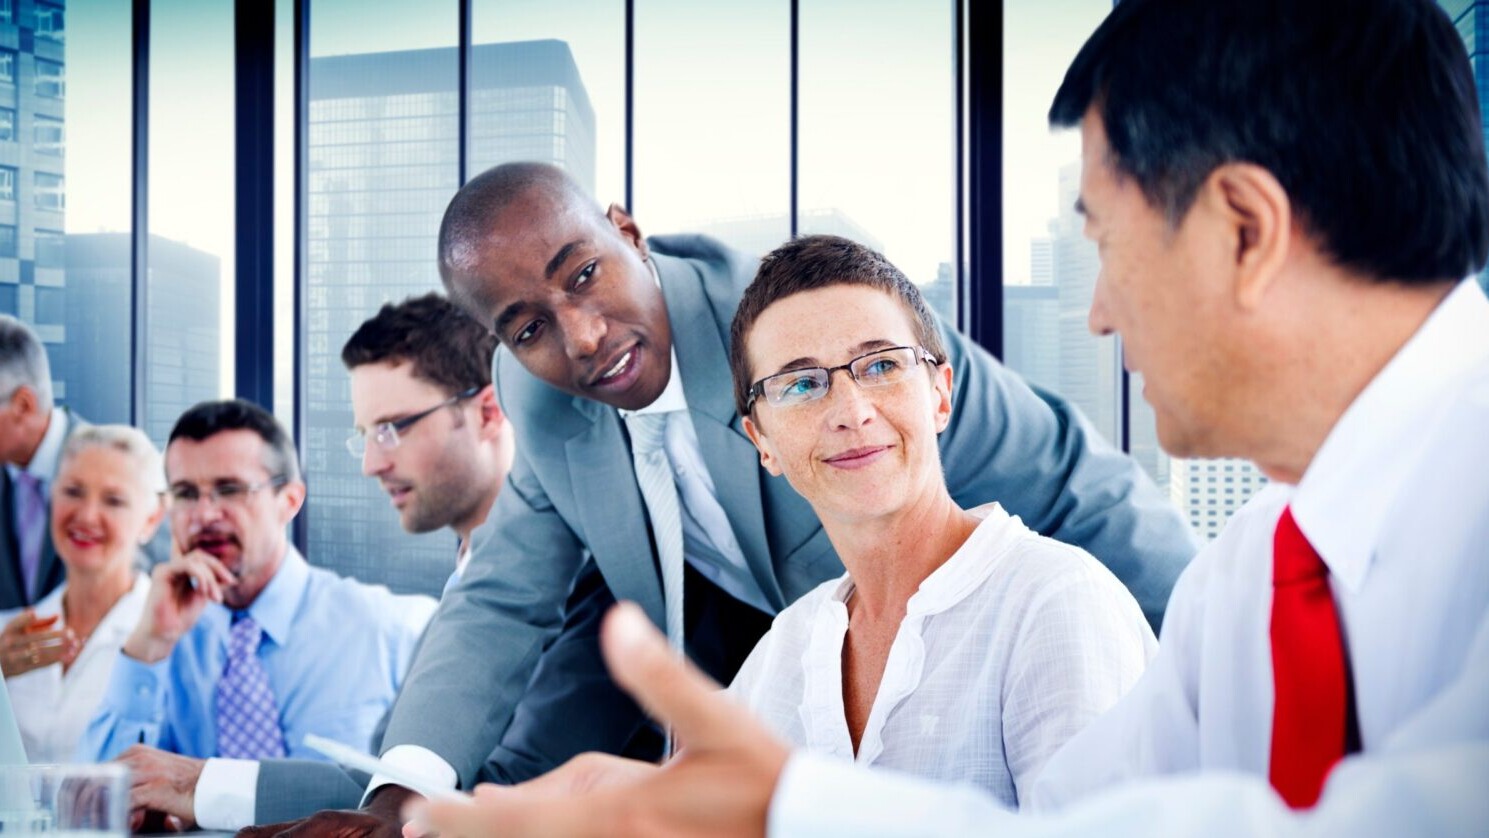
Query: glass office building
{"points": [[383, 142]]}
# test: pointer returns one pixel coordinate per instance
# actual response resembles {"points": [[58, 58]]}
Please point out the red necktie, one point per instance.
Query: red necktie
{"points": [[1311, 719]]}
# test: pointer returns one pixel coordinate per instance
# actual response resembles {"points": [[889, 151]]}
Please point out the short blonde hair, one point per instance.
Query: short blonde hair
{"points": [[131, 442]]}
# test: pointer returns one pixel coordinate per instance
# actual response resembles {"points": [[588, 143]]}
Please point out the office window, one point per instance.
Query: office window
{"points": [[384, 146], [8, 66], [48, 21], [47, 136], [8, 241], [50, 79], [712, 146], [51, 249], [7, 11], [1049, 269], [191, 245], [7, 124], [7, 183], [547, 82], [876, 154], [49, 192]]}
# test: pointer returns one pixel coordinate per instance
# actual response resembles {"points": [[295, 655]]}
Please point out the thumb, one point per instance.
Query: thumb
{"points": [[21, 620], [670, 688]]}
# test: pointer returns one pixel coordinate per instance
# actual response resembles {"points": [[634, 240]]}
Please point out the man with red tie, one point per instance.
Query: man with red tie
{"points": [[1286, 197]]}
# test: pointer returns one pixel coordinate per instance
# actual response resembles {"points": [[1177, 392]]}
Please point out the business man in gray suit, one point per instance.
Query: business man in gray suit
{"points": [[32, 431], [599, 329]]}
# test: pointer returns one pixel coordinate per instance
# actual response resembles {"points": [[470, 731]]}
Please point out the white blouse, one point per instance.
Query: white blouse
{"points": [[52, 708], [1006, 651]]}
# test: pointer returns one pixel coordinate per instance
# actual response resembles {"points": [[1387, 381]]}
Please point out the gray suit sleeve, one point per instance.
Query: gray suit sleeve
{"points": [[290, 789], [572, 704], [1035, 453], [481, 648]]}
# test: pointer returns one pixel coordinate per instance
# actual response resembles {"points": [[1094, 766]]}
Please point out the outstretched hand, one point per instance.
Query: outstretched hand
{"points": [[720, 784]]}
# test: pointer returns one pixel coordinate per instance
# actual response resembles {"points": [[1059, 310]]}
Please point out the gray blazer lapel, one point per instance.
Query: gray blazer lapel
{"points": [[728, 453], [611, 514]]}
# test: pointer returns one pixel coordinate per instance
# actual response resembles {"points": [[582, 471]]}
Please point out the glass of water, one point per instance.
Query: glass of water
{"points": [[64, 800]]}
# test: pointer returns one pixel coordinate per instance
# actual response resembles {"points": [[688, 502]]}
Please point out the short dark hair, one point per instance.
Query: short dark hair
{"points": [[470, 214], [445, 347], [813, 262], [208, 419], [1364, 110]]}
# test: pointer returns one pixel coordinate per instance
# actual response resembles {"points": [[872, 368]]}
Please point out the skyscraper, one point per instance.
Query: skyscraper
{"points": [[33, 282], [383, 140], [1088, 364], [183, 291]]}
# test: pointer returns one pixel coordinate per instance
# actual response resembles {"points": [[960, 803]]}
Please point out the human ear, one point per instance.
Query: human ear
{"points": [[1254, 207], [491, 415], [628, 229], [941, 381], [768, 459]]}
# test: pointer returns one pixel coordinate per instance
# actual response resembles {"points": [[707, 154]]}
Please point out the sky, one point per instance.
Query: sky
{"points": [[876, 126]]}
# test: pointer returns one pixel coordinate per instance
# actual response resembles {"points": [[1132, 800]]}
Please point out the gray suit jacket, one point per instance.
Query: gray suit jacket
{"points": [[50, 572], [572, 494]]}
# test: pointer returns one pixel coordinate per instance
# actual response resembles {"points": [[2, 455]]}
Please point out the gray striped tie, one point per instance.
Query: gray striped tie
{"points": [[654, 476]]}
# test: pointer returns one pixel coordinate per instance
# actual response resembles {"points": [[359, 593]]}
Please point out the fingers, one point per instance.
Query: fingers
{"points": [[19, 622], [22, 652], [196, 573], [589, 772], [669, 687]]}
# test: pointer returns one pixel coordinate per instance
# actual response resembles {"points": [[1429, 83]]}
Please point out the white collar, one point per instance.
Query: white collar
{"points": [[963, 572], [1345, 496], [672, 398], [43, 465]]}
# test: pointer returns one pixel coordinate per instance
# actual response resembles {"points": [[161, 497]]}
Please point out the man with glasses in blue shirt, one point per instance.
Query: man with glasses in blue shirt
{"points": [[243, 648]]}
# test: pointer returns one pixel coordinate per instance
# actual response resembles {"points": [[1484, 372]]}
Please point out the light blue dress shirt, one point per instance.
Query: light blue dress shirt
{"points": [[335, 651]]}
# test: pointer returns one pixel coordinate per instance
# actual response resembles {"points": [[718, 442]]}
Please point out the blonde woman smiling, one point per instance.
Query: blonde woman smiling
{"points": [[107, 500]]}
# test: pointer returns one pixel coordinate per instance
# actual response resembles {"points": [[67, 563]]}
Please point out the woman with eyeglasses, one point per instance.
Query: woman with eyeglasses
{"points": [[107, 501], [960, 645]]}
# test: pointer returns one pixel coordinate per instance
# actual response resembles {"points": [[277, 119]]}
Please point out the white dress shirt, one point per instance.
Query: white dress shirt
{"points": [[52, 708], [1396, 502], [1007, 650]]}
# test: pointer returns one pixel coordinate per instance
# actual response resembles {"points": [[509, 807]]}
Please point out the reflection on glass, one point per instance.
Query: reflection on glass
{"points": [[547, 83], [383, 156], [191, 248], [876, 124], [712, 122]]}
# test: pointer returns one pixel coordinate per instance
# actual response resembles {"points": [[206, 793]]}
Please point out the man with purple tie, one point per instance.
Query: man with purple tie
{"points": [[32, 431], [243, 647]]}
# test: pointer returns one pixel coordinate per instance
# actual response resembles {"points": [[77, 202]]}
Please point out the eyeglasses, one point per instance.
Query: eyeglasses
{"points": [[232, 493], [880, 368], [386, 434]]}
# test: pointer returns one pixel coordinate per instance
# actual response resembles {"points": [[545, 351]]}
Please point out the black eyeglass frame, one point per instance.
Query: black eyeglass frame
{"points": [[758, 388], [398, 426]]}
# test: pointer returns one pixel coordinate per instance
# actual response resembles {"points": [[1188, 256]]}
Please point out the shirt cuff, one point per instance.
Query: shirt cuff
{"points": [[818, 795], [226, 793], [418, 762]]}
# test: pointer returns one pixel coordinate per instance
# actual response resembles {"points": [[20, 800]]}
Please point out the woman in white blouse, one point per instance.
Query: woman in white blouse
{"points": [[960, 645], [107, 500]]}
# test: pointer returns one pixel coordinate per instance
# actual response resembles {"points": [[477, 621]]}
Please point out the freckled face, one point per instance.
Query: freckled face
{"points": [[855, 453]]}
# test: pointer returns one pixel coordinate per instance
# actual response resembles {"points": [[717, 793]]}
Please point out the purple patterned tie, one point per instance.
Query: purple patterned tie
{"points": [[247, 714], [32, 530]]}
